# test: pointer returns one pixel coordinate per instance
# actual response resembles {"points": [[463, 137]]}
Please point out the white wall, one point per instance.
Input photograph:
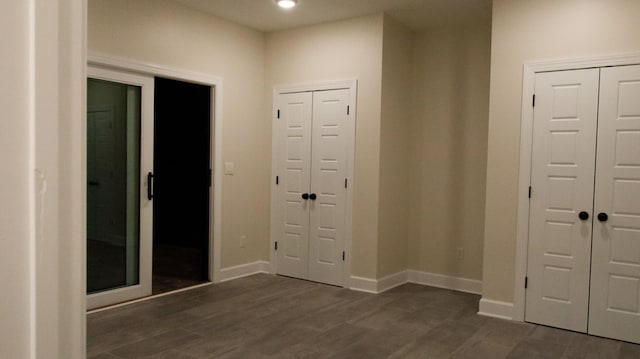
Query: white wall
{"points": [[350, 49], [421, 135], [528, 30], [419, 168], [15, 226], [449, 146], [395, 164], [165, 33]]}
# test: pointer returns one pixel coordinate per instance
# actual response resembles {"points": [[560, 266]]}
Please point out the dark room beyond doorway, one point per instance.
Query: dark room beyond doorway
{"points": [[181, 181]]}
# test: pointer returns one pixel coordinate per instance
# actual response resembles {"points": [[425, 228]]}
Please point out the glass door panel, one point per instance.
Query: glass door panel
{"points": [[113, 172], [118, 219]]}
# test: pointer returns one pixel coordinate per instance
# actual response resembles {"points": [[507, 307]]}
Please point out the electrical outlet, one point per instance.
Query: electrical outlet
{"points": [[460, 252], [243, 239]]}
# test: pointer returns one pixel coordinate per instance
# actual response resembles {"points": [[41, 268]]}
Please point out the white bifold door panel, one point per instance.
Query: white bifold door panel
{"points": [[583, 270], [328, 174], [311, 189], [615, 270], [564, 132], [294, 169]]}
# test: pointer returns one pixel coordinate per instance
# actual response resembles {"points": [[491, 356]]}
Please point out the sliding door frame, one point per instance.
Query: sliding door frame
{"points": [[216, 84]]}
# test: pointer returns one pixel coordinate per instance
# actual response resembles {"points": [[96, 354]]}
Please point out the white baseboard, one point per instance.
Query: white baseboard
{"points": [[496, 309], [445, 281], [243, 270], [412, 276], [392, 281], [377, 286], [362, 284]]}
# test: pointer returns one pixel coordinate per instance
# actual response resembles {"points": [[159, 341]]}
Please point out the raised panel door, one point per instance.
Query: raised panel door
{"points": [[564, 130], [328, 173], [294, 162], [615, 277]]}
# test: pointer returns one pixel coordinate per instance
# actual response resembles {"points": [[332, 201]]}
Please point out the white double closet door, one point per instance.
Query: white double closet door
{"points": [[310, 216], [583, 270]]}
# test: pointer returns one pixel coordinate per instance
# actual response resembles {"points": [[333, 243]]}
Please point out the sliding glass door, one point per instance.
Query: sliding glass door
{"points": [[119, 186]]}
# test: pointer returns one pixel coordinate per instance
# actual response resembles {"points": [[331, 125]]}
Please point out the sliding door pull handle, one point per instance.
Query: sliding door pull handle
{"points": [[150, 186]]}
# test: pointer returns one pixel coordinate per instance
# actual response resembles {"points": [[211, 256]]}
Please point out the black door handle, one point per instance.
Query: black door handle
{"points": [[94, 183], [305, 196], [602, 217], [583, 215], [313, 196], [150, 186]]}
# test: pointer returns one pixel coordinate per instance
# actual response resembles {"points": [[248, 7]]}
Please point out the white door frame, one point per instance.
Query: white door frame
{"points": [[350, 85], [526, 132], [216, 83]]}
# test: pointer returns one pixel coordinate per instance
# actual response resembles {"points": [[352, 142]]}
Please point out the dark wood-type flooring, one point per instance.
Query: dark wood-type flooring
{"points": [[177, 267], [266, 316]]}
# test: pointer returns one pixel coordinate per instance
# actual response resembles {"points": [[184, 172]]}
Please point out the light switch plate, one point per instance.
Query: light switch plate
{"points": [[228, 168]]}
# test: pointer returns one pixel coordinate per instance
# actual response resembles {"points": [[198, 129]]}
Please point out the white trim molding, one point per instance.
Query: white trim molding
{"points": [[362, 284], [44, 298], [226, 274], [243, 270], [147, 68], [383, 284], [134, 66], [316, 86], [526, 139], [393, 280], [144, 299], [496, 309], [446, 282]]}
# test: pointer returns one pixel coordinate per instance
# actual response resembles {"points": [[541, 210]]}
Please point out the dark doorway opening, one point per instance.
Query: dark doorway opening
{"points": [[182, 163]]}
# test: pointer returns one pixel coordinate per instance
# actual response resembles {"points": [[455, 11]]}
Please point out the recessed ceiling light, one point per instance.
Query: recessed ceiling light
{"points": [[286, 4]]}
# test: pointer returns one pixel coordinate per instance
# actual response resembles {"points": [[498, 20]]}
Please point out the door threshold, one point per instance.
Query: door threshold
{"points": [[118, 305]]}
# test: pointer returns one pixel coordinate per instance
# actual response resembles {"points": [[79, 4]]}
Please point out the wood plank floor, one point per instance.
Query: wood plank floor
{"points": [[266, 316]]}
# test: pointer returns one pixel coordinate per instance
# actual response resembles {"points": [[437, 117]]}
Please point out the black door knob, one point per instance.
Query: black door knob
{"points": [[602, 217], [583, 215], [305, 196], [313, 196]]}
